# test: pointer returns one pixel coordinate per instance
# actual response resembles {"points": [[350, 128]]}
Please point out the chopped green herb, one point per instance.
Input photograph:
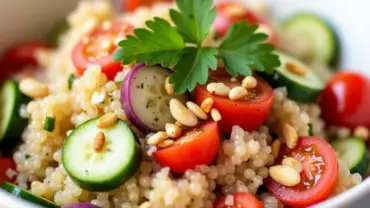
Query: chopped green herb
{"points": [[71, 78], [156, 119], [310, 130], [142, 86], [27, 156], [148, 104], [118, 83], [49, 124], [181, 46]]}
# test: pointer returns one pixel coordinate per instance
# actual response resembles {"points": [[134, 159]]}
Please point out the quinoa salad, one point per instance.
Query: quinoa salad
{"points": [[185, 104]]}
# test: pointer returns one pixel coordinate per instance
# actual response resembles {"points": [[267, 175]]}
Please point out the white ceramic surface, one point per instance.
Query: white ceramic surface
{"points": [[22, 20]]}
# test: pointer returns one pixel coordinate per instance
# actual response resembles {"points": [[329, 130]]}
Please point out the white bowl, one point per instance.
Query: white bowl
{"points": [[22, 20]]}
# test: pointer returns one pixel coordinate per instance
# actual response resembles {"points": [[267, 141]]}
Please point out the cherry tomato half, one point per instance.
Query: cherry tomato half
{"points": [[240, 200], [318, 178], [231, 12], [98, 48], [248, 113], [19, 57], [346, 101], [5, 164], [198, 146]]}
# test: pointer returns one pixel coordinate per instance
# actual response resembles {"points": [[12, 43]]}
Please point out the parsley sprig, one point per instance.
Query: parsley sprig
{"points": [[181, 46]]}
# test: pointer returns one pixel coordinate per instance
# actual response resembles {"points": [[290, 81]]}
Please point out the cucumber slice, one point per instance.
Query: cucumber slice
{"points": [[12, 125], [316, 33], [107, 169], [302, 88], [353, 151], [23, 194]]}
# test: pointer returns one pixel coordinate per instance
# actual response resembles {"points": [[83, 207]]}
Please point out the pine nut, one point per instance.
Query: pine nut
{"points": [[290, 135], [237, 93], [33, 88], [196, 110], [182, 114], [249, 82], [215, 114], [168, 86], [107, 120], [285, 175], [177, 123], [292, 162], [362, 132], [207, 104], [295, 69], [166, 143], [99, 142], [173, 130], [157, 138], [275, 148], [233, 79], [218, 89]]}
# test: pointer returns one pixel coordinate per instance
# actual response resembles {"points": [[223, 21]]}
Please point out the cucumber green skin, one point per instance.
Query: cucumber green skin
{"points": [[23, 194], [120, 178], [295, 91], [334, 58], [16, 125], [363, 165]]}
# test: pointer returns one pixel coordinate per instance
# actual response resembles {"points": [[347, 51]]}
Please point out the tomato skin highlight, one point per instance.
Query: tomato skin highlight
{"points": [[5, 164], [20, 56], [94, 41], [201, 150], [345, 101], [232, 12], [248, 114], [241, 200], [322, 189]]}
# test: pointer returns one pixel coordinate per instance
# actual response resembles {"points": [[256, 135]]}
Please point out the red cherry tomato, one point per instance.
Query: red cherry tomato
{"points": [[248, 113], [346, 101], [5, 164], [318, 178], [240, 200], [19, 57], [231, 12], [98, 48], [198, 146]]}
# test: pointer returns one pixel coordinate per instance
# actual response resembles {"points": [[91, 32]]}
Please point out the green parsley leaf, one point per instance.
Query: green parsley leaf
{"points": [[242, 49], [194, 19], [160, 44], [192, 68]]}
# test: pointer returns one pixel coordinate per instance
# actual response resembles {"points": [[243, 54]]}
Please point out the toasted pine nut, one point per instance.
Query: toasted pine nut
{"points": [[275, 148], [182, 114], [166, 143], [173, 130], [157, 138], [207, 104], [33, 88], [179, 124], [196, 110], [99, 142], [362, 132], [168, 86], [249, 82], [285, 175], [292, 162], [290, 135], [237, 93], [146, 205], [107, 120], [215, 114], [218, 88], [295, 69]]}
